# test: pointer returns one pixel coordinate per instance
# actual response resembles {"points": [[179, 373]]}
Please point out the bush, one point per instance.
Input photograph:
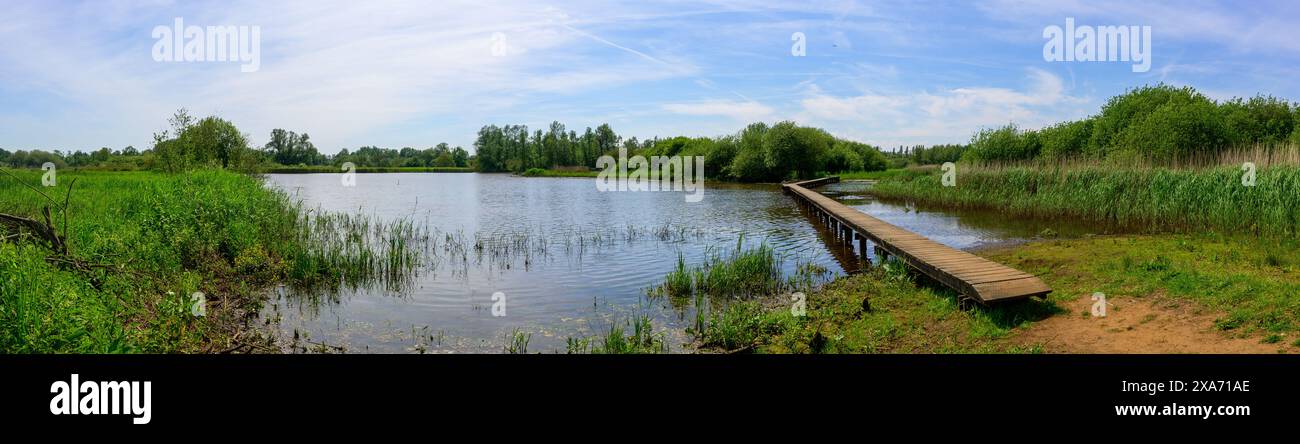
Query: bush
{"points": [[1180, 127], [1003, 144], [719, 157], [792, 148], [1065, 140], [1134, 106], [841, 158], [750, 166], [1260, 120]]}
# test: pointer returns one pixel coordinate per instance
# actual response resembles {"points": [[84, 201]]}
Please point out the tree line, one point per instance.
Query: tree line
{"points": [[1160, 123], [758, 152], [189, 143]]}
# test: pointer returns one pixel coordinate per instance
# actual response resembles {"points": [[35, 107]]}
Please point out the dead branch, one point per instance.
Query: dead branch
{"points": [[44, 231]]}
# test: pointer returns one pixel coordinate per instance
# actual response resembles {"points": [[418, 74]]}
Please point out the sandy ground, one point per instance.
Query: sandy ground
{"points": [[1152, 324]]}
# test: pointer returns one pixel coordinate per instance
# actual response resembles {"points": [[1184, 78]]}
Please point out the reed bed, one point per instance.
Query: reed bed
{"points": [[1194, 195]]}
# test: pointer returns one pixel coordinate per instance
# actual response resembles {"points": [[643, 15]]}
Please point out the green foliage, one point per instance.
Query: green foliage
{"points": [[932, 155], [209, 142], [512, 148], [1159, 123], [848, 155], [1007, 143], [1066, 140], [1142, 199], [1185, 125], [166, 236], [842, 158], [290, 148], [1261, 120], [43, 309], [790, 148], [757, 153]]}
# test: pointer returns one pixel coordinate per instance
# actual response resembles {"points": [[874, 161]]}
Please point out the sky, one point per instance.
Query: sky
{"points": [[79, 76]]}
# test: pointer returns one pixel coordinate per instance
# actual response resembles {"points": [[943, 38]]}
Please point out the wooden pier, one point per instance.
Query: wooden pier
{"points": [[974, 277]]}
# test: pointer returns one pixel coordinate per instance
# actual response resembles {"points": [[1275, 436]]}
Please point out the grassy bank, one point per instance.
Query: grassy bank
{"points": [[1141, 199], [140, 244], [1246, 286], [1251, 283], [539, 172]]}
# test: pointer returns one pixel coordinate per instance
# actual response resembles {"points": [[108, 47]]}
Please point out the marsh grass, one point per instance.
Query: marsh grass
{"points": [[1133, 198], [740, 272], [517, 342], [158, 238], [734, 294], [643, 339]]}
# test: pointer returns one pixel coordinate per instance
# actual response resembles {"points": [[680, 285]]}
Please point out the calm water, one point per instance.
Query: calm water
{"points": [[598, 254]]}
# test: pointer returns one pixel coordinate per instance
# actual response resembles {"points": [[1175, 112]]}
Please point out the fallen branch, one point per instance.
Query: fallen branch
{"points": [[44, 231]]}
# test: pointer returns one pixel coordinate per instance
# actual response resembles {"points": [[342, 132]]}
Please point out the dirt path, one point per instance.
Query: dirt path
{"points": [[1152, 324]]}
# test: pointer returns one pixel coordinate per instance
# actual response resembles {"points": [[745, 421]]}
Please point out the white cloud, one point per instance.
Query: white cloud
{"points": [[343, 71], [949, 115], [741, 111]]}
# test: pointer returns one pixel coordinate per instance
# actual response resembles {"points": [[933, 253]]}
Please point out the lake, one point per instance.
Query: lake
{"points": [[589, 260]]}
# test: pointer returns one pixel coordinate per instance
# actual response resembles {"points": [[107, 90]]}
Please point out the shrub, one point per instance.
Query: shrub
{"points": [[1260, 120], [841, 158], [1180, 127], [1007, 143], [1067, 139], [792, 148]]}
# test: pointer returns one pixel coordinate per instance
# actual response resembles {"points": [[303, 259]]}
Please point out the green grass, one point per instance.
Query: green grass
{"points": [[741, 272], [643, 340], [153, 240], [1140, 199], [901, 317], [1252, 282], [517, 342]]}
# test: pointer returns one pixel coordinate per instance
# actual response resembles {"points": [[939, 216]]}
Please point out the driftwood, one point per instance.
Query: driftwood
{"points": [[46, 231], [43, 231]]}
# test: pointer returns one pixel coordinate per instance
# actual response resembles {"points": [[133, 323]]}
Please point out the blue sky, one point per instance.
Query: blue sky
{"points": [[78, 76]]}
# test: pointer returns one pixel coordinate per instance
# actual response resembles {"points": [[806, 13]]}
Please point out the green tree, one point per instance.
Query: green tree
{"points": [[791, 148], [460, 157]]}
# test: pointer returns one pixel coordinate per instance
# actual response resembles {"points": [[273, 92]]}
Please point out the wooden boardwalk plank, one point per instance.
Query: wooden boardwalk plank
{"points": [[976, 277]]}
